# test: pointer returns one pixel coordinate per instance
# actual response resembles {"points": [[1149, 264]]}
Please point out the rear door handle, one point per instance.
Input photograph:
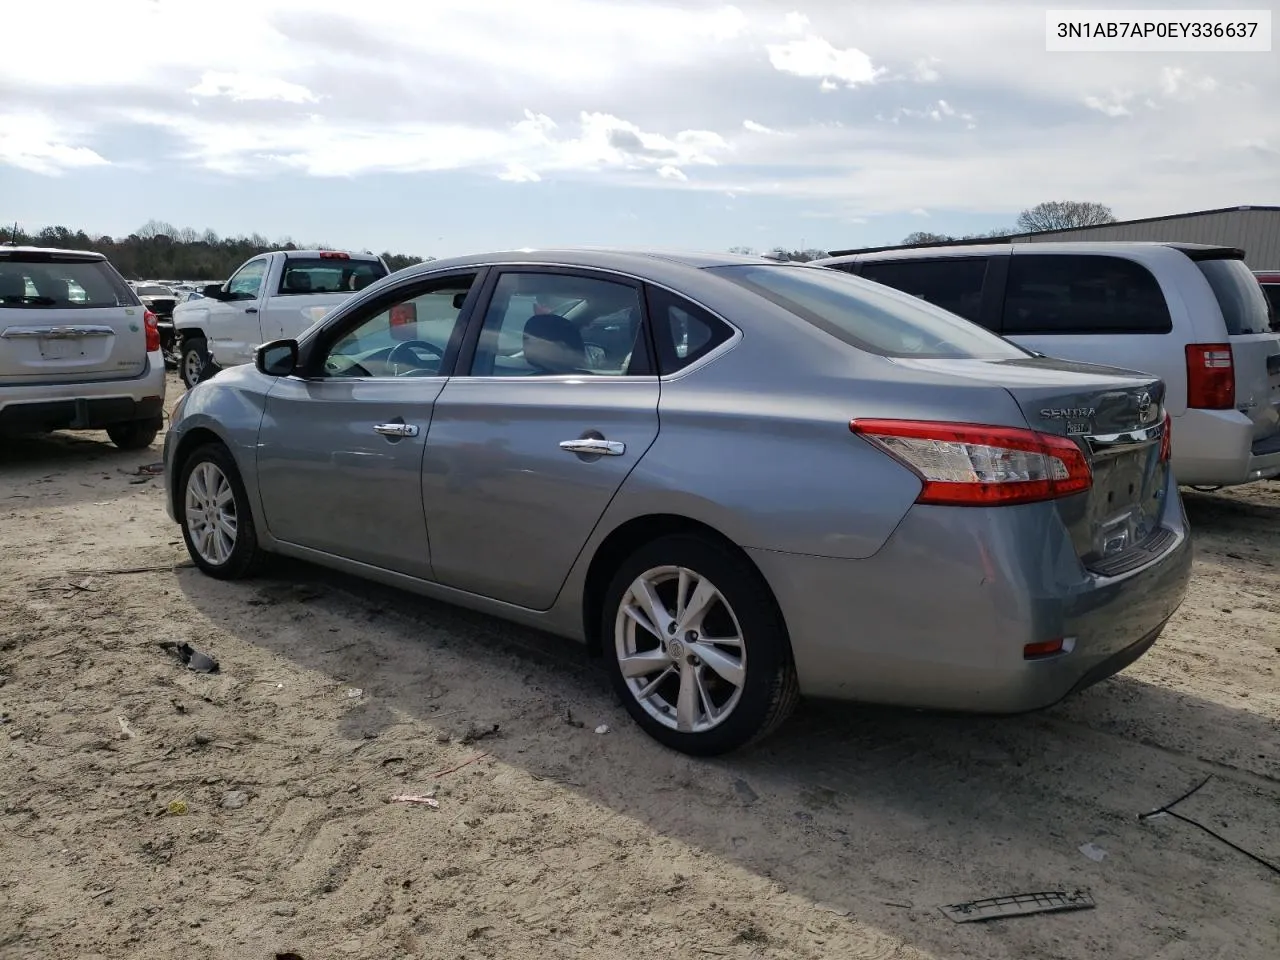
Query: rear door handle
{"points": [[609, 448], [396, 429]]}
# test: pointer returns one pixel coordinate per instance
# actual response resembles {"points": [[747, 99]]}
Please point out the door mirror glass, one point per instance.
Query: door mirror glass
{"points": [[403, 321], [279, 358]]}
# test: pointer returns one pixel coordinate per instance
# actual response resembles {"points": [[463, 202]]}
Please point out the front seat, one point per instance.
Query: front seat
{"points": [[553, 345], [298, 282], [13, 286]]}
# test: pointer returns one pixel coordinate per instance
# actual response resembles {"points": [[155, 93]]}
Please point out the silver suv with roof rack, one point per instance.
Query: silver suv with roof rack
{"points": [[78, 349], [1192, 314]]}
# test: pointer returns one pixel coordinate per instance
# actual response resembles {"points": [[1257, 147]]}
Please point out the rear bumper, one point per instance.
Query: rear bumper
{"points": [[938, 619], [1216, 448], [88, 405]]}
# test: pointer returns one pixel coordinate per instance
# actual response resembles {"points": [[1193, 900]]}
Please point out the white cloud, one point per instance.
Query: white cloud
{"points": [[668, 172], [757, 127], [518, 173], [817, 58], [32, 143], [1112, 106], [241, 86]]}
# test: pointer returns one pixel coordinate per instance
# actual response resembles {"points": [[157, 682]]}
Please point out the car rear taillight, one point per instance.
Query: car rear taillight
{"points": [[969, 464], [1166, 439], [1211, 376], [151, 324]]}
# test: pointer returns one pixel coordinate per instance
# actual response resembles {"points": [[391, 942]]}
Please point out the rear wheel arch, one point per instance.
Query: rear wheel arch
{"points": [[630, 537]]}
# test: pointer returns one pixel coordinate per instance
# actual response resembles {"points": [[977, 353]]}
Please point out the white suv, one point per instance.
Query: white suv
{"points": [[1191, 314], [78, 350]]}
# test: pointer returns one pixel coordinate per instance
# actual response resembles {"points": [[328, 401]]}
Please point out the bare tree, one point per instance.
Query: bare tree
{"points": [[924, 236], [1064, 215]]}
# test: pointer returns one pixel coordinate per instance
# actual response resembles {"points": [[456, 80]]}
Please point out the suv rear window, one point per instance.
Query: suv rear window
{"points": [[870, 316], [40, 283], [1051, 293], [1243, 304], [304, 275], [953, 283]]}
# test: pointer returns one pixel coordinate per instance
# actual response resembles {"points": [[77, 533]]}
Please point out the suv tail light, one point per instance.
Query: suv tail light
{"points": [[969, 464], [1211, 376], [1166, 439], [150, 323]]}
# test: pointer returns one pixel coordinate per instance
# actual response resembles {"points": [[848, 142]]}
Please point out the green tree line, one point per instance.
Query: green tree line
{"points": [[161, 251]]}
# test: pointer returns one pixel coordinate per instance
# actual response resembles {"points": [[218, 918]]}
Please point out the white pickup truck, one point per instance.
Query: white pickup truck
{"points": [[272, 295]]}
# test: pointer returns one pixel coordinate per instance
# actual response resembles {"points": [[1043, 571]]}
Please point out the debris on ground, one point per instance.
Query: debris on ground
{"points": [[478, 732], [416, 799], [478, 756], [569, 719], [234, 799], [126, 731], [1093, 852], [177, 808], [354, 693], [1167, 810], [1018, 905], [602, 729], [192, 658]]}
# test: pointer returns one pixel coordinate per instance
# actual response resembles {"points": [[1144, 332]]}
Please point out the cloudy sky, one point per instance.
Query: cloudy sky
{"points": [[444, 126]]}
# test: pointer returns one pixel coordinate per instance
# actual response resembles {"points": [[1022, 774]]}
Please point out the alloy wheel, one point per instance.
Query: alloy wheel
{"points": [[211, 513], [680, 649]]}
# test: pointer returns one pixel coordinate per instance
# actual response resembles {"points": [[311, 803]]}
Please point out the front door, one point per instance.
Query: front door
{"points": [[234, 328], [340, 448], [534, 436]]}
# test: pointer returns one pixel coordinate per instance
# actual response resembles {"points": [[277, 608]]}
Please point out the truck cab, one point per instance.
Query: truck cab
{"points": [[272, 295]]}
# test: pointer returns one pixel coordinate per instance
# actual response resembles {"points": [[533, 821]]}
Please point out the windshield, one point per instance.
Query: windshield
{"points": [[152, 290], [870, 316], [42, 283], [1244, 306]]}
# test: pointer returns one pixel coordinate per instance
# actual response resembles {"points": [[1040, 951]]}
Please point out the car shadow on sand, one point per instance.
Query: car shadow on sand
{"points": [[882, 813], [52, 469]]}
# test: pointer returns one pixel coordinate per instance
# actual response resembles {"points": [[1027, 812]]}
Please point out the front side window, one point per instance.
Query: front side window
{"points": [[406, 337], [1050, 293], [870, 316], [247, 281], [546, 324], [952, 283]]}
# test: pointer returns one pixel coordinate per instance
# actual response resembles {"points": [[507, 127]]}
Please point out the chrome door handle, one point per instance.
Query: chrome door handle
{"points": [[396, 429], [610, 448]]}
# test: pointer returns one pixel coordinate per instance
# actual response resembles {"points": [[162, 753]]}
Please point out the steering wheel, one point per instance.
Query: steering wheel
{"points": [[408, 352]]}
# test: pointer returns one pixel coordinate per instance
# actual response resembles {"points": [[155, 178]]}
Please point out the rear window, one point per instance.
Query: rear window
{"points": [[41, 284], [152, 290], [1049, 293], [952, 283], [869, 316], [1243, 304], [1272, 292], [325, 275]]}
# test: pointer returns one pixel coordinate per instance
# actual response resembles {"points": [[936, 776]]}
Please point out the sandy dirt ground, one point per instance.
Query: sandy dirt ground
{"points": [[150, 811]]}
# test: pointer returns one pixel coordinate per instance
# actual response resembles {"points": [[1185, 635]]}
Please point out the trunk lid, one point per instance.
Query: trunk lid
{"points": [[1116, 417], [65, 317], [1255, 347]]}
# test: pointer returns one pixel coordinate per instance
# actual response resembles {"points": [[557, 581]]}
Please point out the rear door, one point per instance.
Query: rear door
{"points": [[1255, 347], [67, 317], [532, 438], [311, 285]]}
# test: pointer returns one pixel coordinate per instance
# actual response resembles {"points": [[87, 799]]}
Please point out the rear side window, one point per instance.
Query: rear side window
{"points": [[317, 275], [682, 331], [1272, 292], [952, 283], [1240, 297], [869, 316], [1082, 294], [45, 283]]}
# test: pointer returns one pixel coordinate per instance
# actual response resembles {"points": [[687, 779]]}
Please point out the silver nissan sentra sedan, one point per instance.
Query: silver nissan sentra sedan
{"points": [[738, 480]]}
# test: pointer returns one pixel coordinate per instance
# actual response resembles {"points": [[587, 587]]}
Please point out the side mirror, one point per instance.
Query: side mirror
{"points": [[404, 321], [213, 291], [279, 358]]}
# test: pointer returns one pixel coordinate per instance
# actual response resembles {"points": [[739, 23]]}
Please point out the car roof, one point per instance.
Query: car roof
{"points": [[1196, 251], [620, 259], [51, 253]]}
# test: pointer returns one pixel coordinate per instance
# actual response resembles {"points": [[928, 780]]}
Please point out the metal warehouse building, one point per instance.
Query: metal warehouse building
{"points": [[1256, 230]]}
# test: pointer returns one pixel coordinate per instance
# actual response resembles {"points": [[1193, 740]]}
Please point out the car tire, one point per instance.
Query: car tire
{"points": [[729, 699], [193, 359], [210, 492], [134, 434]]}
